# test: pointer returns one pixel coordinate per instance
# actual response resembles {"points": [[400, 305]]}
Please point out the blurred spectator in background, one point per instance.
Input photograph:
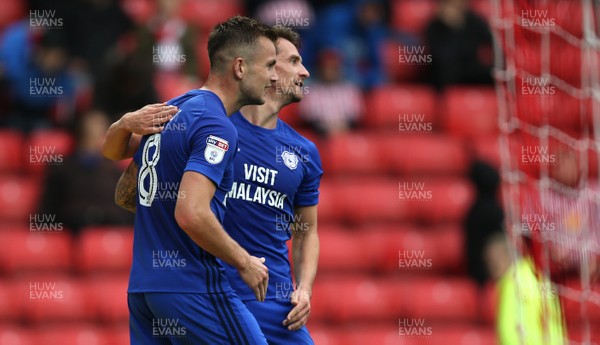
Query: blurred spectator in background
{"points": [[127, 85], [94, 28], [460, 43], [168, 41], [484, 218], [39, 89], [297, 14], [358, 30], [80, 191], [332, 104]]}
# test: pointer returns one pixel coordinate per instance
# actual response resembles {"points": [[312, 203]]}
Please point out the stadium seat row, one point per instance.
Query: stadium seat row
{"points": [[412, 16], [356, 199], [52, 249], [392, 248], [357, 152], [32, 154], [382, 248], [376, 153], [378, 333], [421, 200], [55, 298]]}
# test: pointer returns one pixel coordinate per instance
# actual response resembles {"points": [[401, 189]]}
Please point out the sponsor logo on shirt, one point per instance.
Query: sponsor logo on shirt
{"points": [[215, 149]]}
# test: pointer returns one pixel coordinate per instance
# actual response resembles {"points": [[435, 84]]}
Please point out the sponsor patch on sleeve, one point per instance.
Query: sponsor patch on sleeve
{"points": [[215, 149]]}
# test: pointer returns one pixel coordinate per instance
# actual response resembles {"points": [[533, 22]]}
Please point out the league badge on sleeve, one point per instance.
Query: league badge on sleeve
{"points": [[290, 160], [215, 149]]}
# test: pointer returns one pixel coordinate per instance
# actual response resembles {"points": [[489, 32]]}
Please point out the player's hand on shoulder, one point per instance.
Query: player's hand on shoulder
{"points": [[298, 317], [256, 275], [149, 119]]}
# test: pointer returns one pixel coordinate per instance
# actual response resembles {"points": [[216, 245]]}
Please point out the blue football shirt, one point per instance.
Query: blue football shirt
{"points": [[198, 138], [275, 170]]}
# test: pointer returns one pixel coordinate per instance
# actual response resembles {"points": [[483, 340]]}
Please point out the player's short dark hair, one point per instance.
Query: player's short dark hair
{"points": [[287, 34], [237, 33]]}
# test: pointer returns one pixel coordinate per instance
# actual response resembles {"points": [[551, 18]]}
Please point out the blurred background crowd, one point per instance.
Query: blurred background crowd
{"points": [[400, 98]]}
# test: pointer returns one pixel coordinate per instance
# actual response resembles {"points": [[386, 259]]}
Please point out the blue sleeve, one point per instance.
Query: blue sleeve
{"points": [[213, 144], [308, 191]]}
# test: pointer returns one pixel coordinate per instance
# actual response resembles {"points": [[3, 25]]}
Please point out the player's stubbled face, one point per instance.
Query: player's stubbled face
{"points": [[261, 74], [291, 72]]}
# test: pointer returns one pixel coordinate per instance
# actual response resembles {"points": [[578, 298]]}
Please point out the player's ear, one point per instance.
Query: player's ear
{"points": [[239, 67]]}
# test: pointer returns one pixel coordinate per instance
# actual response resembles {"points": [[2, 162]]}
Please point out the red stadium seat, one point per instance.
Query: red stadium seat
{"points": [[324, 335], [78, 334], [54, 300], [354, 153], [411, 251], [437, 200], [412, 16], [105, 249], [12, 10], [118, 335], [358, 298], [35, 252], [425, 154], [10, 307], [442, 299], [419, 251], [338, 250], [289, 114], [450, 247], [18, 198], [208, 13], [362, 200], [11, 334], [110, 294], [384, 334], [328, 207], [378, 243], [402, 109], [11, 145], [14, 227], [141, 11], [460, 335], [47, 147], [471, 112]]}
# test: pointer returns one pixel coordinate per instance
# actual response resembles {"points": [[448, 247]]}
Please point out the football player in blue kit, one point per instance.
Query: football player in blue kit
{"points": [[178, 292], [274, 197]]}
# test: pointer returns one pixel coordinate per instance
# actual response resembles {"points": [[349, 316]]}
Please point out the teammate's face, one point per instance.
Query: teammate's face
{"points": [[261, 74], [291, 72]]}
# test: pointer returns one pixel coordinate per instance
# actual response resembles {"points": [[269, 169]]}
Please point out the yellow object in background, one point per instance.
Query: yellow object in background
{"points": [[529, 311]]}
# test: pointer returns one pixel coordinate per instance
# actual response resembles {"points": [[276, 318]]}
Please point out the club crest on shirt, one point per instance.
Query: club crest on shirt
{"points": [[290, 160], [215, 149]]}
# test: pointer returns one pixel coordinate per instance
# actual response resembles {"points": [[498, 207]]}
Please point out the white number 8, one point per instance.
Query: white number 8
{"points": [[148, 170]]}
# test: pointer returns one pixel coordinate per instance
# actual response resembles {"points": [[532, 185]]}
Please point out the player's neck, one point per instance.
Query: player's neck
{"points": [[264, 115], [226, 94]]}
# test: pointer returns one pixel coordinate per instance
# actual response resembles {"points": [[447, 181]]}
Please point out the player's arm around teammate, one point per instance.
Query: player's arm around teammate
{"points": [[305, 256], [193, 214], [124, 136]]}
